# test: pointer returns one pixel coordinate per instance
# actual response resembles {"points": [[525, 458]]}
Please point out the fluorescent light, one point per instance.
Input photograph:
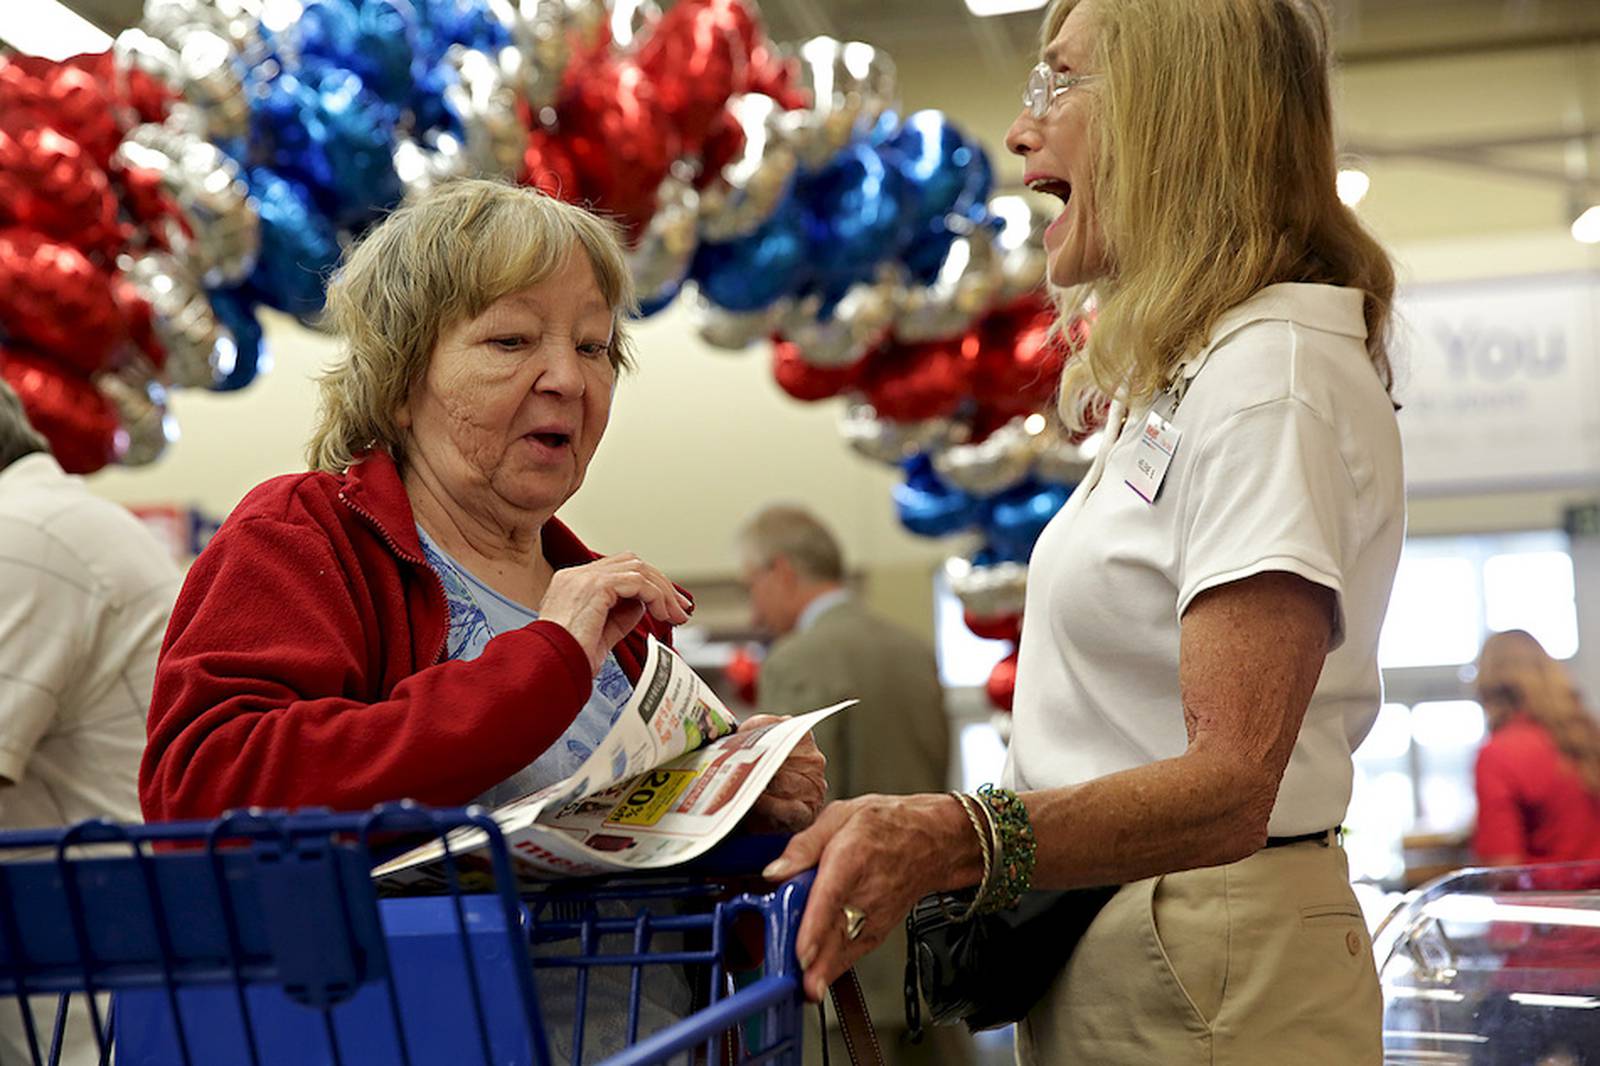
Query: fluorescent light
{"points": [[985, 8], [1353, 184], [45, 28], [1586, 227]]}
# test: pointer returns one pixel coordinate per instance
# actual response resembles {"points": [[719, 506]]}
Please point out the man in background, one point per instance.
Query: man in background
{"points": [[85, 590], [827, 647]]}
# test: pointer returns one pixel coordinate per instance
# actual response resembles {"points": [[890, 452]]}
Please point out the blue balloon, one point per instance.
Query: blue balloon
{"points": [[856, 217], [655, 303], [235, 309], [323, 128], [756, 271], [1014, 519], [927, 506], [299, 248], [374, 38], [947, 173]]}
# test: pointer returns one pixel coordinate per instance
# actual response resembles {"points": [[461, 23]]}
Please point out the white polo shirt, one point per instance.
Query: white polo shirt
{"points": [[85, 592], [1288, 460]]}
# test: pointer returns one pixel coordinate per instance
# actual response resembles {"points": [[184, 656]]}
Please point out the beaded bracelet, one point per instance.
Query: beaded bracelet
{"points": [[972, 809], [1014, 866]]}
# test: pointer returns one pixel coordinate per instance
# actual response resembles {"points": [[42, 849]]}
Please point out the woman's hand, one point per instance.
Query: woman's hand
{"points": [[796, 793], [599, 603], [877, 855]]}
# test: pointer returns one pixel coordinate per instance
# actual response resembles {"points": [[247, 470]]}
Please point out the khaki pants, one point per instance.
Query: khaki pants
{"points": [[1264, 961]]}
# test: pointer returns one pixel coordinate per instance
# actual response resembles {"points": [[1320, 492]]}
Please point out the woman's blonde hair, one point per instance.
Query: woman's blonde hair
{"points": [[1515, 672], [1215, 171], [434, 262]]}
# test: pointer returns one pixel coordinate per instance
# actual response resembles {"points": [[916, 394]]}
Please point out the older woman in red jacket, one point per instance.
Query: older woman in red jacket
{"points": [[409, 618]]}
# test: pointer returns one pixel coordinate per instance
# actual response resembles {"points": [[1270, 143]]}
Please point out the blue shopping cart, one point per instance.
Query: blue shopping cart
{"points": [[261, 940]]}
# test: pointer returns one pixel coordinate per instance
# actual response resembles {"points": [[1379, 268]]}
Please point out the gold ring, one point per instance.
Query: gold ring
{"points": [[855, 920]]}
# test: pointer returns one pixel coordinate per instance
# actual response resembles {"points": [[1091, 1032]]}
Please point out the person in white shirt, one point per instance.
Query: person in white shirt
{"points": [[1199, 650], [85, 590]]}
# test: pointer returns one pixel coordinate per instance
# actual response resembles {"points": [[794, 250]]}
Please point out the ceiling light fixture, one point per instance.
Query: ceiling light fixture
{"points": [[1353, 183], [985, 8], [47, 29], [1586, 227]]}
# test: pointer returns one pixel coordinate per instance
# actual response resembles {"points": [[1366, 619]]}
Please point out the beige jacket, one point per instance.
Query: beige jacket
{"points": [[896, 740]]}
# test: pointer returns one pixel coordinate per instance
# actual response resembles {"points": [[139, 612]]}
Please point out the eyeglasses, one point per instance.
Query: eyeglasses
{"points": [[1045, 84]]}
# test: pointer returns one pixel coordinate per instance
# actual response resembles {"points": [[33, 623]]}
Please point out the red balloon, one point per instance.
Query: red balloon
{"points": [[723, 145], [805, 382], [1000, 627], [1001, 687], [912, 382], [57, 302], [619, 139], [157, 222], [744, 674], [144, 95], [48, 184], [776, 76], [697, 57], [79, 422], [1018, 360], [547, 167]]}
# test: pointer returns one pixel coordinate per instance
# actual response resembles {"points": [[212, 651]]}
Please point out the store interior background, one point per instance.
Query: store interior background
{"points": [[1478, 123]]}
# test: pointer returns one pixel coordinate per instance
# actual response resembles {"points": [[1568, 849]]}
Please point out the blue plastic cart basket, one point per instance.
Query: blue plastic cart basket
{"points": [[260, 940]]}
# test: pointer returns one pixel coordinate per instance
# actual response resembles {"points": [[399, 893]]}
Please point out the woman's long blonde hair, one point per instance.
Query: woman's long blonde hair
{"points": [[1516, 674], [1215, 176]]}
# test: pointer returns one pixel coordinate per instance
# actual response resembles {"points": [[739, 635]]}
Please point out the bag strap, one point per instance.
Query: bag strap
{"points": [[855, 1022]]}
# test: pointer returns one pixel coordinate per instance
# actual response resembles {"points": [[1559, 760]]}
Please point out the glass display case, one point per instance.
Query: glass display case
{"points": [[1497, 967]]}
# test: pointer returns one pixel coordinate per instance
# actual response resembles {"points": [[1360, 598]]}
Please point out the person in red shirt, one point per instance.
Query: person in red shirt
{"points": [[409, 618], [1538, 775]]}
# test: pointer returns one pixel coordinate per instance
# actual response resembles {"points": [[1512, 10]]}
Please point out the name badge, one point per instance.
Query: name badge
{"points": [[1152, 455]]}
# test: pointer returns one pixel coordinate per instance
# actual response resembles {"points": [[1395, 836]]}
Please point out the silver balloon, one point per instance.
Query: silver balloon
{"points": [[1060, 458], [185, 325], [1002, 459], [734, 331], [750, 188], [631, 21], [660, 260], [993, 591], [1021, 242], [484, 100], [201, 66], [851, 85], [239, 21], [540, 44], [141, 405], [968, 282], [210, 193], [890, 442], [860, 320], [420, 166]]}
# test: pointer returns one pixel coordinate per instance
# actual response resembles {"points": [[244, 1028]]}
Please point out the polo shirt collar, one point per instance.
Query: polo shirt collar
{"points": [[36, 468], [1328, 308]]}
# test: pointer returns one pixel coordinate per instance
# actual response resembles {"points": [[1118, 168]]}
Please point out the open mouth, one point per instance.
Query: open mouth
{"points": [[551, 440], [1061, 190]]}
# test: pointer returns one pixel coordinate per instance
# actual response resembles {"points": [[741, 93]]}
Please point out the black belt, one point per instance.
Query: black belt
{"points": [[1304, 838]]}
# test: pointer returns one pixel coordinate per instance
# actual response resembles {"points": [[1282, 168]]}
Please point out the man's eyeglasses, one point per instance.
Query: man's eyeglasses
{"points": [[1045, 84]]}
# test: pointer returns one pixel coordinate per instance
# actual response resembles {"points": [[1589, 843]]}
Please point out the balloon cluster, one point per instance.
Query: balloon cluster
{"points": [[221, 155]]}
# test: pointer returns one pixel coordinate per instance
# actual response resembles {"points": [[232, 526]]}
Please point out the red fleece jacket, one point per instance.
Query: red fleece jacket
{"points": [[302, 663]]}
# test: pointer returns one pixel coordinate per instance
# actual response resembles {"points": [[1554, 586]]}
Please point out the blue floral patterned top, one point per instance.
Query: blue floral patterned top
{"points": [[478, 614]]}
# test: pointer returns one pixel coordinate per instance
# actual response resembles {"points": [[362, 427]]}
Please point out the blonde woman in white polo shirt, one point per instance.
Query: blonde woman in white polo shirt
{"points": [[1199, 657]]}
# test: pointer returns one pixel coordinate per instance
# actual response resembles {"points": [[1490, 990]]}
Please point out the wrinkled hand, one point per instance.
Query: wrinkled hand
{"points": [[796, 793], [879, 854], [599, 603]]}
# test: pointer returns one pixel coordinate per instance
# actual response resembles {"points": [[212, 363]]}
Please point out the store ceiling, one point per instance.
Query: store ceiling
{"points": [[1369, 30]]}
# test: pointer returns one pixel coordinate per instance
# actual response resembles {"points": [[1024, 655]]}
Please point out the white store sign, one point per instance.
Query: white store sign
{"points": [[1499, 381]]}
